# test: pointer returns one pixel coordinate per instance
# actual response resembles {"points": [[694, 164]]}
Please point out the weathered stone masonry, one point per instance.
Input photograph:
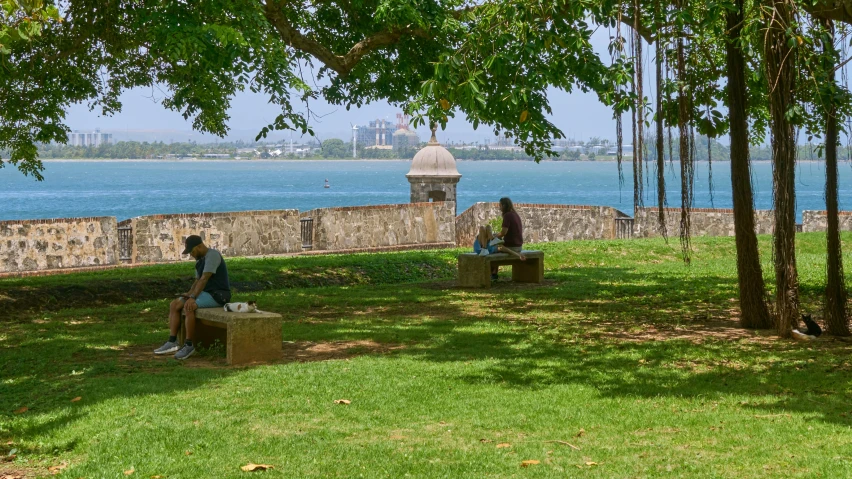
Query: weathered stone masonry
{"points": [[31, 245], [160, 238], [28, 246], [543, 222], [383, 225], [703, 222], [818, 221]]}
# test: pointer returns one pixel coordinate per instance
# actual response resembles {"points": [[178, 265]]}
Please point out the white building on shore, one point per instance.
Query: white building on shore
{"points": [[89, 139]]}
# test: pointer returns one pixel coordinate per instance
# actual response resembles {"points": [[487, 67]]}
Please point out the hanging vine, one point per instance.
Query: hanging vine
{"points": [[619, 136], [661, 161], [638, 110], [710, 163], [685, 151]]}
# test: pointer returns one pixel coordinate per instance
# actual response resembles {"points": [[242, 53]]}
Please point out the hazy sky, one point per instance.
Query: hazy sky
{"points": [[579, 115]]}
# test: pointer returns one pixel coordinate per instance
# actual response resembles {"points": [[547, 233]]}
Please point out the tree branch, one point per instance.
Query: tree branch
{"points": [[342, 64], [837, 10]]}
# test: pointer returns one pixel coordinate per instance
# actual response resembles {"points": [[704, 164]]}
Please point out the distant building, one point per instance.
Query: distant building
{"points": [[89, 139], [404, 138], [626, 150], [376, 133]]}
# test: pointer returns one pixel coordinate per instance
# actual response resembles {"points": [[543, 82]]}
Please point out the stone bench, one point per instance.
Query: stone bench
{"points": [[247, 337], [475, 270]]}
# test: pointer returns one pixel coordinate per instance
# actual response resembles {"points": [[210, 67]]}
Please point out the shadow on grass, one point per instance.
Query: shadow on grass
{"points": [[586, 328], [525, 340]]}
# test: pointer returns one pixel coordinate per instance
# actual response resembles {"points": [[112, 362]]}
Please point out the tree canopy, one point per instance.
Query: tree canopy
{"points": [[493, 61]]}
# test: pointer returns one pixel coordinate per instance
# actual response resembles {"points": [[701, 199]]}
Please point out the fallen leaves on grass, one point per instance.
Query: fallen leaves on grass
{"points": [[77, 399], [345, 402], [22, 410], [57, 469], [251, 467], [130, 471], [483, 440], [503, 444], [187, 453], [580, 433], [529, 462], [590, 463]]}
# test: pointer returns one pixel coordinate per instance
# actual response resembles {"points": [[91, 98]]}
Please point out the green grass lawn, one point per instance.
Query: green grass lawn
{"points": [[626, 363]]}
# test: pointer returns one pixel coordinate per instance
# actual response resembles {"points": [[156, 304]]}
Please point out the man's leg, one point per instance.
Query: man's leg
{"points": [[188, 346], [171, 345], [190, 322], [174, 316]]}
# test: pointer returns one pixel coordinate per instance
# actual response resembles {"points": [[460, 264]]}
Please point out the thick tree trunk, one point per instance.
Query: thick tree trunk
{"points": [[835, 291], [781, 65], [755, 313]]}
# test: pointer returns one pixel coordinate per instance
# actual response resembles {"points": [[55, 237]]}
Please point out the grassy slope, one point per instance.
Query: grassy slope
{"points": [[625, 353]]}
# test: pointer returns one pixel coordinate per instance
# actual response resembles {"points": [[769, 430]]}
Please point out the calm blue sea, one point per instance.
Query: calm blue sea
{"points": [[134, 188]]}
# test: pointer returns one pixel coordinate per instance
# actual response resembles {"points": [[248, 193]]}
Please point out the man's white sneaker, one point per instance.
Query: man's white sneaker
{"points": [[185, 352], [167, 348]]}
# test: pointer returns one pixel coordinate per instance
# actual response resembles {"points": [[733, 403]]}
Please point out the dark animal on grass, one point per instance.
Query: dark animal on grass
{"points": [[812, 332]]}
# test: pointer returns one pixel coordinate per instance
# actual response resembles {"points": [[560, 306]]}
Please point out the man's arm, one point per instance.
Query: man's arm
{"points": [[186, 295], [199, 285], [502, 232]]}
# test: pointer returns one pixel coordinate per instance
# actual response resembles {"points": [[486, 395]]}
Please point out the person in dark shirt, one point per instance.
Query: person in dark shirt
{"points": [[211, 289], [512, 232]]}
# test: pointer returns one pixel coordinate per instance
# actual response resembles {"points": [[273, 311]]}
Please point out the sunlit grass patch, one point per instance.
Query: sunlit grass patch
{"points": [[625, 363]]}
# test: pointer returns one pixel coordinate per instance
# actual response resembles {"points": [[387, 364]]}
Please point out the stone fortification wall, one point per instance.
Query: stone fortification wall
{"points": [[382, 225], [818, 221], [703, 222], [31, 245], [160, 238], [543, 222]]}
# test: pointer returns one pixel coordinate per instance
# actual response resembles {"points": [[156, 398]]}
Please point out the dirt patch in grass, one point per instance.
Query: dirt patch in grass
{"points": [[504, 284], [306, 351], [300, 351], [12, 471], [715, 330]]}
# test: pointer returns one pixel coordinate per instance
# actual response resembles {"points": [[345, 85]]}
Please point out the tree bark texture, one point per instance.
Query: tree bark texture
{"points": [[753, 308], [781, 64], [835, 290]]}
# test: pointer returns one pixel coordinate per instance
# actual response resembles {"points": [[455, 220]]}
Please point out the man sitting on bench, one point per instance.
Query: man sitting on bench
{"points": [[211, 289]]}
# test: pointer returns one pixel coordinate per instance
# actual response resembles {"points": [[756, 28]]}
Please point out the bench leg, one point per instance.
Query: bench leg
{"points": [[474, 273], [529, 271], [205, 336], [258, 340]]}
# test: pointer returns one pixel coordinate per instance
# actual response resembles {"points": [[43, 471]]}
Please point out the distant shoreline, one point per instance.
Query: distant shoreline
{"points": [[209, 160]]}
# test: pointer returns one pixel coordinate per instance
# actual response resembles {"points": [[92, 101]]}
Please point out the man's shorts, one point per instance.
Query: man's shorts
{"points": [[204, 300]]}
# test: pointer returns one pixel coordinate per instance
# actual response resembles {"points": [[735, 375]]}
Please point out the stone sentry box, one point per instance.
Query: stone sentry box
{"points": [[433, 175]]}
